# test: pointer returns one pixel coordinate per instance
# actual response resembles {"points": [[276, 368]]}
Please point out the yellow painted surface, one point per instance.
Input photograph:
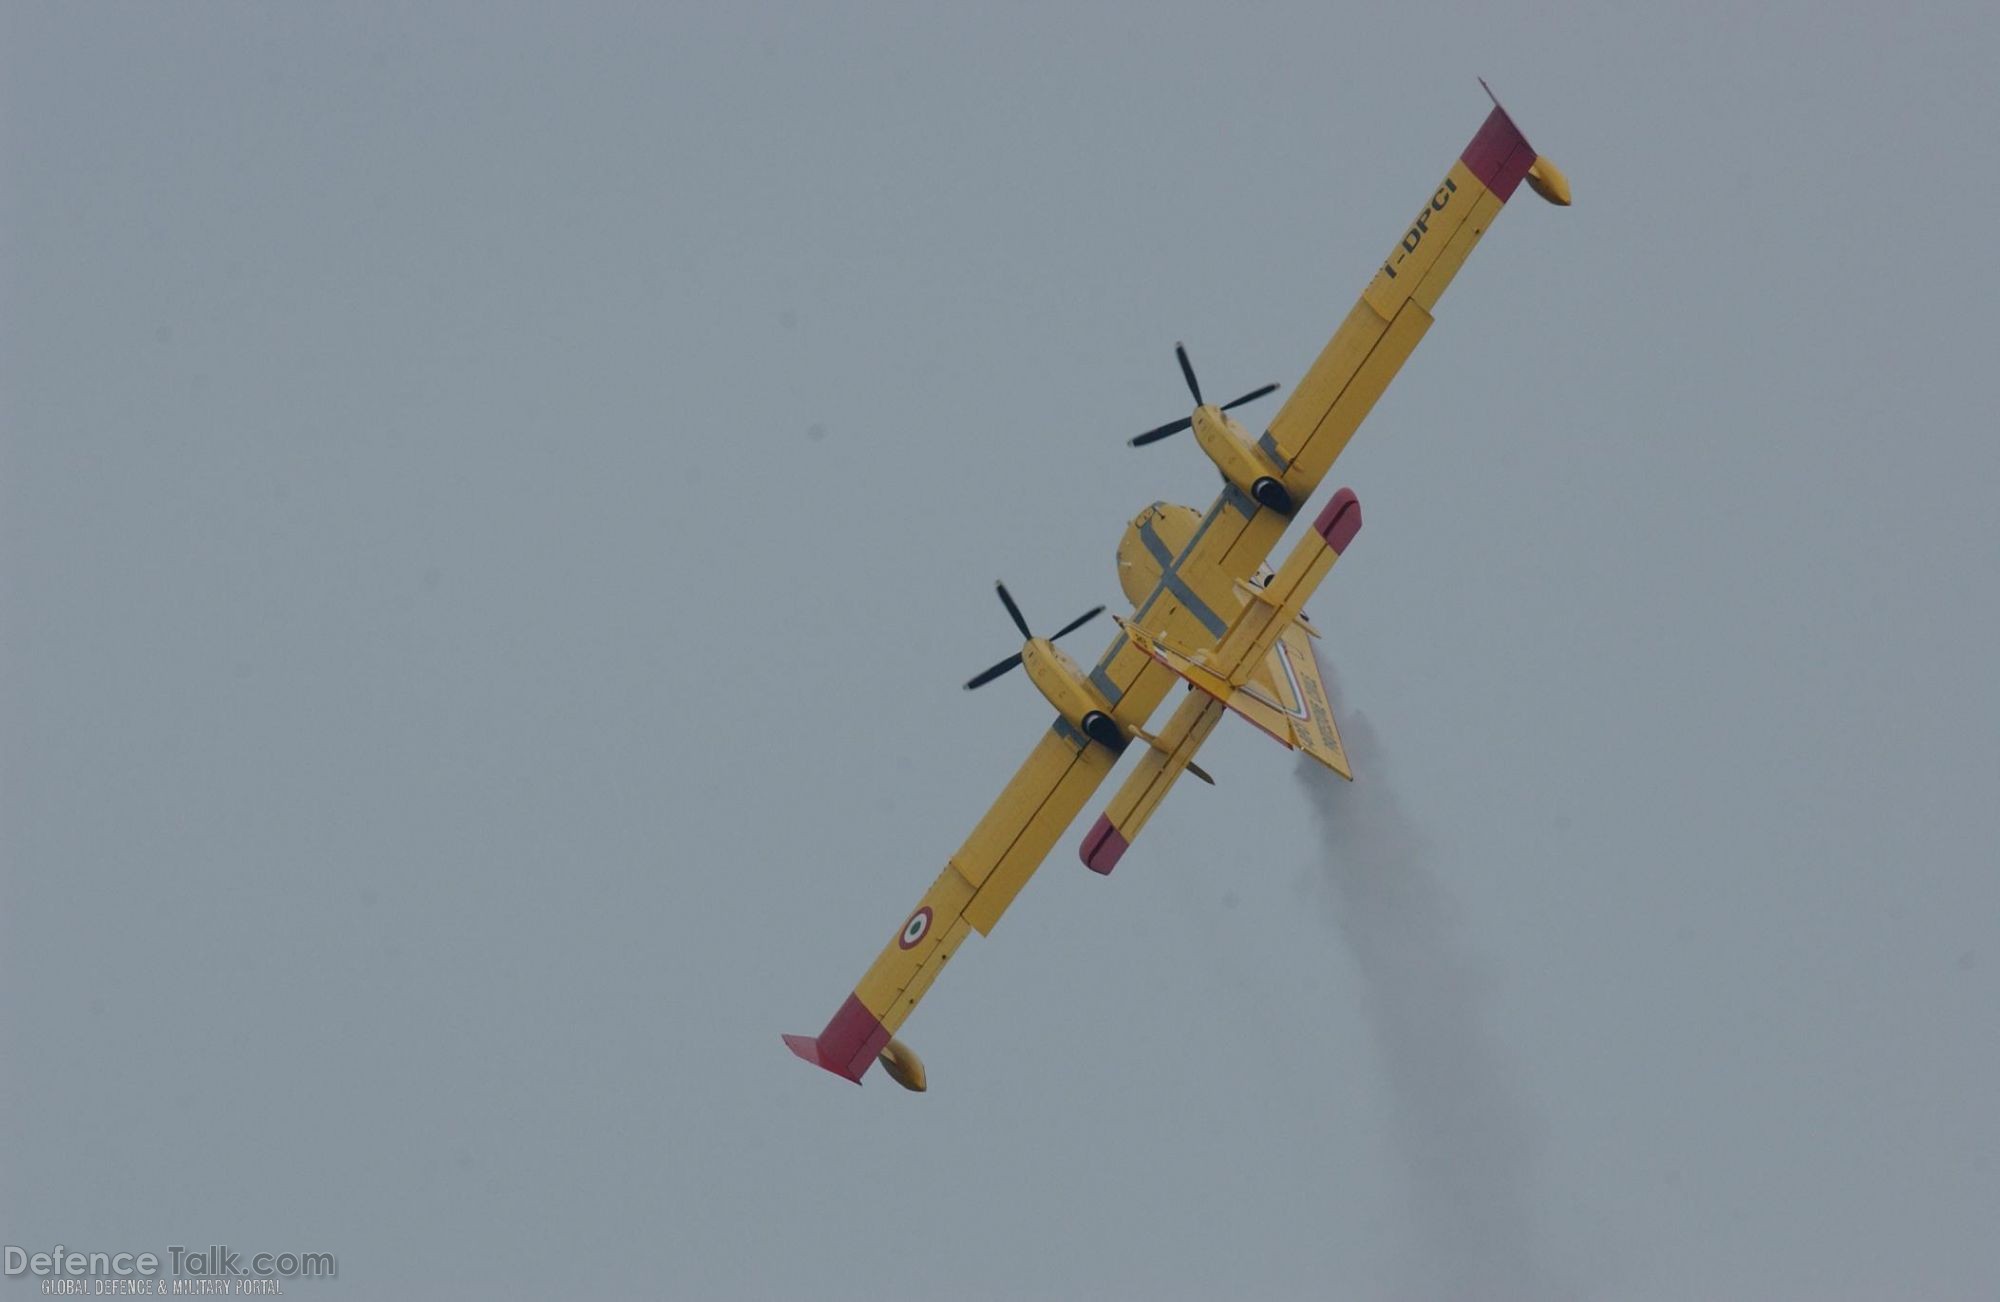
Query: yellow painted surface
{"points": [[1194, 665], [1322, 383], [1214, 554], [1228, 445], [1420, 245], [1271, 707], [1228, 546], [1457, 250], [903, 1066], [1250, 639], [926, 973], [1249, 548], [1038, 837], [1330, 403], [1252, 702], [1358, 398], [1025, 793], [1060, 681], [895, 967], [1156, 772], [1548, 181], [1220, 673], [1138, 572], [1269, 679]]}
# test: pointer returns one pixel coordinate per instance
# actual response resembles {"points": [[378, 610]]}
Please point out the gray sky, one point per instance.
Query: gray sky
{"points": [[498, 503]]}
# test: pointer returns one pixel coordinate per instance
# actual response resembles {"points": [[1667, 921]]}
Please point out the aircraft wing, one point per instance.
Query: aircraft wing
{"points": [[1286, 696], [1384, 327], [975, 888]]}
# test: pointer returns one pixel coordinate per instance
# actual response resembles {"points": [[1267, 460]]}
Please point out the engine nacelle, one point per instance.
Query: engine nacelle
{"points": [[1057, 677], [1241, 462]]}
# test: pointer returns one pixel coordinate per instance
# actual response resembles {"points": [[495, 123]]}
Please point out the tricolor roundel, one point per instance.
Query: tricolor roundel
{"points": [[915, 929]]}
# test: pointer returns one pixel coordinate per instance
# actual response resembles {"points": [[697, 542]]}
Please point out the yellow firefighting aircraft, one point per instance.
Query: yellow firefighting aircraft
{"points": [[1206, 610]]}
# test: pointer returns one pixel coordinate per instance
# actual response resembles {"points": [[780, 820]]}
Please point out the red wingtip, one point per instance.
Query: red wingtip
{"points": [[848, 1045], [1499, 155], [1340, 521], [1103, 846], [806, 1047]]}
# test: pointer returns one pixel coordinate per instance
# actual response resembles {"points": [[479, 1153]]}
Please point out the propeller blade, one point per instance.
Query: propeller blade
{"points": [[1078, 622], [1165, 749], [1180, 351], [981, 679], [1155, 435], [1014, 611], [1251, 396]]}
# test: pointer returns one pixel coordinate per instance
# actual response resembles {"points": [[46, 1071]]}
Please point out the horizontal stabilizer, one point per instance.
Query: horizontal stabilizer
{"points": [[1155, 775], [1297, 693], [1285, 697]]}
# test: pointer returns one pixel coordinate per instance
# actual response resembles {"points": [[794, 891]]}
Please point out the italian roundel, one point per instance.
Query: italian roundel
{"points": [[915, 929]]}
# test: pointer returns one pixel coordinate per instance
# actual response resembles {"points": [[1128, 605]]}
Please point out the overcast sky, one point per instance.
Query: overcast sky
{"points": [[498, 502]]}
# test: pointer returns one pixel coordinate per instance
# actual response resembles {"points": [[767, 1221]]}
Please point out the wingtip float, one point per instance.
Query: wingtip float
{"points": [[853, 1041], [1206, 611], [1547, 180], [1501, 157]]}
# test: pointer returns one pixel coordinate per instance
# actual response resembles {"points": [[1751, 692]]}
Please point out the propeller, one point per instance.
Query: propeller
{"points": [[1194, 387], [1014, 613]]}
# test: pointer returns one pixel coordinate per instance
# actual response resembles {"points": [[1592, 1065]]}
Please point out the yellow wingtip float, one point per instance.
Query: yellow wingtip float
{"points": [[903, 1065], [1205, 611], [1547, 180]]}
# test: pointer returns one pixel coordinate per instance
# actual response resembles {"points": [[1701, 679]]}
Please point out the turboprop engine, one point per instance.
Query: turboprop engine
{"points": [[1227, 443], [1057, 677]]}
